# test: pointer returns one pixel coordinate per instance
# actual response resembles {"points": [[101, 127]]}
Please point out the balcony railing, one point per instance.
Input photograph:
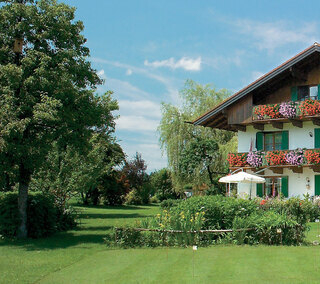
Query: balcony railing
{"points": [[294, 159], [287, 110]]}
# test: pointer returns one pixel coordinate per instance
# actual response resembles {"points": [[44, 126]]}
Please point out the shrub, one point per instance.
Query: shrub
{"points": [[43, 216], [154, 199], [169, 203], [217, 212], [265, 229], [133, 198]]}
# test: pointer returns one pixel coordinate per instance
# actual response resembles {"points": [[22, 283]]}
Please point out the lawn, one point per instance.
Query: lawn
{"points": [[81, 257]]}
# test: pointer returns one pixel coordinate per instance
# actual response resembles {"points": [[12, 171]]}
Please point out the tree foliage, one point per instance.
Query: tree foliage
{"points": [[162, 184], [46, 92], [194, 153]]}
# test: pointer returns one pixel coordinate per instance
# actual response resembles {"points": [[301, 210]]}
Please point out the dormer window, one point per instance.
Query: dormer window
{"points": [[307, 92]]}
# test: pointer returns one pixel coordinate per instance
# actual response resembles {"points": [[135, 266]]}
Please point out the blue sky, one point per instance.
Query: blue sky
{"points": [[145, 50]]}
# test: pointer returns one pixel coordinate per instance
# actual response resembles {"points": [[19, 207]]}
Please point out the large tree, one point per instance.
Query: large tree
{"points": [[46, 89], [195, 154]]}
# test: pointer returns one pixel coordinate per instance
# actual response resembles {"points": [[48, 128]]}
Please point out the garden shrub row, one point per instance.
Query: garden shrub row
{"points": [[271, 222], [44, 217]]}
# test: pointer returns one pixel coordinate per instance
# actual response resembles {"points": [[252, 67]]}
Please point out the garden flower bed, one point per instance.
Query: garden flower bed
{"points": [[288, 110], [298, 157]]}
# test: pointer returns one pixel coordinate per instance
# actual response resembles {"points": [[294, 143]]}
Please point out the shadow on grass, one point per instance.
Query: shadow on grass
{"points": [[86, 216], [84, 234], [119, 207], [58, 241]]}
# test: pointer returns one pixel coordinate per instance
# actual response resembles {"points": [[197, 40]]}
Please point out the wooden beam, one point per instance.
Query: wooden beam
{"points": [[315, 168], [239, 127], [296, 123], [258, 126], [277, 124], [315, 121], [277, 170], [298, 74], [297, 170], [215, 121]]}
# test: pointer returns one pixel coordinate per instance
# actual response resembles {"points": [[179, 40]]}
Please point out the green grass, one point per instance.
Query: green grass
{"points": [[81, 257]]}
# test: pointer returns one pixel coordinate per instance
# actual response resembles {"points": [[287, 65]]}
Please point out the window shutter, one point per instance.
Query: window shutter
{"points": [[317, 185], [284, 186], [294, 94], [285, 140], [317, 138], [259, 141], [318, 92], [259, 189]]}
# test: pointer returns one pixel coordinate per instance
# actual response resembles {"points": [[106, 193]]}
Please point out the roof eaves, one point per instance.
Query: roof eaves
{"points": [[289, 63]]}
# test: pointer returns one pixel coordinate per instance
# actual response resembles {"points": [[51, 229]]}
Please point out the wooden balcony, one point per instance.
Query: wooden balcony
{"points": [[276, 161], [288, 112]]}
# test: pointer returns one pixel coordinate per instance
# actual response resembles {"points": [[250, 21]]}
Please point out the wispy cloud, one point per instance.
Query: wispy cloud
{"points": [[169, 83], [151, 153], [256, 75], [272, 35], [121, 88], [136, 123], [219, 61], [140, 108], [185, 63]]}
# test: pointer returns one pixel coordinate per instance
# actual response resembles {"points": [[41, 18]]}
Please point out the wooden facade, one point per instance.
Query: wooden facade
{"points": [[235, 113]]}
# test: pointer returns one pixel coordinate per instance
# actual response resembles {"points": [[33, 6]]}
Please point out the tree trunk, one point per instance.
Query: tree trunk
{"points": [[24, 180], [210, 175]]}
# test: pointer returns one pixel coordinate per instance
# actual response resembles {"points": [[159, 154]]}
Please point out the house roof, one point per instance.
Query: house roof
{"points": [[203, 119]]}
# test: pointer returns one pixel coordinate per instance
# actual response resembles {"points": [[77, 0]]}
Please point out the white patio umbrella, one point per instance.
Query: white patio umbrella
{"points": [[242, 177]]}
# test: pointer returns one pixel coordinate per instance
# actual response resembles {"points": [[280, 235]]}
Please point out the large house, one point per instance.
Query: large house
{"points": [[277, 118]]}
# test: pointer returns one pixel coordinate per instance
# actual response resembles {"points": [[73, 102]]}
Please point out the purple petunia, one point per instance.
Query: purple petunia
{"points": [[295, 157], [288, 109], [254, 159]]}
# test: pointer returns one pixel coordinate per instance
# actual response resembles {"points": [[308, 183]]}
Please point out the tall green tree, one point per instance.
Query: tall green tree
{"points": [[46, 89], [195, 154]]}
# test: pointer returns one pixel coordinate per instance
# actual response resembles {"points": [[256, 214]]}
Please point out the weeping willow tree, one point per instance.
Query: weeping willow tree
{"points": [[196, 155]]}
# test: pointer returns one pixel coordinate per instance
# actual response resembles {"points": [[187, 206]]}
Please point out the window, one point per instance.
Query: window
{"points": [[272, 187], [272, 141], [307, 92]]}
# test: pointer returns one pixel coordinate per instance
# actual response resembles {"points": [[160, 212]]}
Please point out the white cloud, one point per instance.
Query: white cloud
{"points": [[271, 35], [129, 72], [256, 75], [150, 152], [219, 61], [140, 108], [169, 83], [185, 63], [136, 123], [100, 73]]}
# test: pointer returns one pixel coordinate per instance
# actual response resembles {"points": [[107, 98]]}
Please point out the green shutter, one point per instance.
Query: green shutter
{"points": [[317, 138], [259, 189], [318, 92], [294, 94], [284, 186], [285, 140], [259, 141], [317, 185]]}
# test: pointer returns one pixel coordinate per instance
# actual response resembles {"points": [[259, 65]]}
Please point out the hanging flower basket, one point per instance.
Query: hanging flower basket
{"points": [[295, 157], [255, 159]]}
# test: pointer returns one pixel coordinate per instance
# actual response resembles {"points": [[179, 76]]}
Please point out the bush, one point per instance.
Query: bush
{"points": [[154, 199], [43, 216], [133, 198], [169, 203], [218, 212], [303, 211], [269, 228]]}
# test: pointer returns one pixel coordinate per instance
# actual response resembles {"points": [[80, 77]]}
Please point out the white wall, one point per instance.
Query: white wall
{"points": [[296, 183], [298, 137]]}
